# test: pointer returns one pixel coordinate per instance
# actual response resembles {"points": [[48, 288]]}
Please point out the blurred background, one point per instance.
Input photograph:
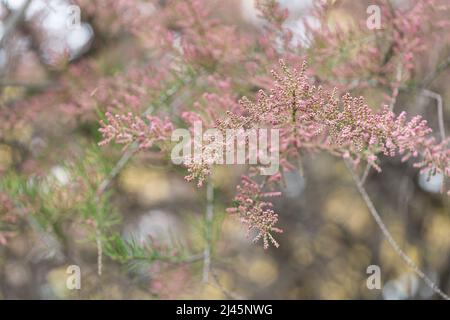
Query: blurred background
{"points": [[64, 63]]}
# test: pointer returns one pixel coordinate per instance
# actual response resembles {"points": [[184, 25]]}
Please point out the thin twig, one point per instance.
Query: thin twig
{"points": [[187, 260], [436, 72], [52, 244], [98, 240], [15, 19], [398, 80], [117, 168], [366, 173], [218, 285], [389, 237], [101, 189], [26, 85], [440, 109], [209, 215]]}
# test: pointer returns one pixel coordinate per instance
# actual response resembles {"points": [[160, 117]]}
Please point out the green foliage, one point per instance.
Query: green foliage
{"points": [[54, 204], [133, 251]]}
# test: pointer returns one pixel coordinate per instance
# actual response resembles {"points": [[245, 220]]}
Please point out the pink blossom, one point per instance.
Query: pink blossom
{"points": [[128, 128], [256, 213]]}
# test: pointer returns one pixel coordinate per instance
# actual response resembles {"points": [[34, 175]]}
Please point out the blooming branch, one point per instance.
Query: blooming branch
{"points": [[125, 129], [311, 118]]}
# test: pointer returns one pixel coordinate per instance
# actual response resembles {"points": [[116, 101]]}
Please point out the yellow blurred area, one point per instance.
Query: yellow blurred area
{"points": [[303, 252], [262, 271], [349, 211], [220, 285], [149, 186], [10, 93], [438, 231], [224, 177], [22, 132], [340, 20], [56, 279], [438, 237], [6, 157], [326, 242]]}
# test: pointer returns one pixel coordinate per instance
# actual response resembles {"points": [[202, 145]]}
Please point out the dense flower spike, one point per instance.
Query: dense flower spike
{"points": [[256, 213], [126, 129]]}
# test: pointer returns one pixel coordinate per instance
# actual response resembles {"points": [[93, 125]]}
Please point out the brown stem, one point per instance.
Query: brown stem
{"points": [[373, 211]]}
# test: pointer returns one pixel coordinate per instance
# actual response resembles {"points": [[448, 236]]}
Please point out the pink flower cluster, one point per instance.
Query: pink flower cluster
{"points": [[129, 91], [256, 213], [310, 118], [128, 128], [360, 57]]}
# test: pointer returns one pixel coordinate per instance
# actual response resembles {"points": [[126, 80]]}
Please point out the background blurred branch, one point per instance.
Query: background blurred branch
{"points": [[14, 20], [440, 110], [436, 72], [373, 211], [208, 228]]}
